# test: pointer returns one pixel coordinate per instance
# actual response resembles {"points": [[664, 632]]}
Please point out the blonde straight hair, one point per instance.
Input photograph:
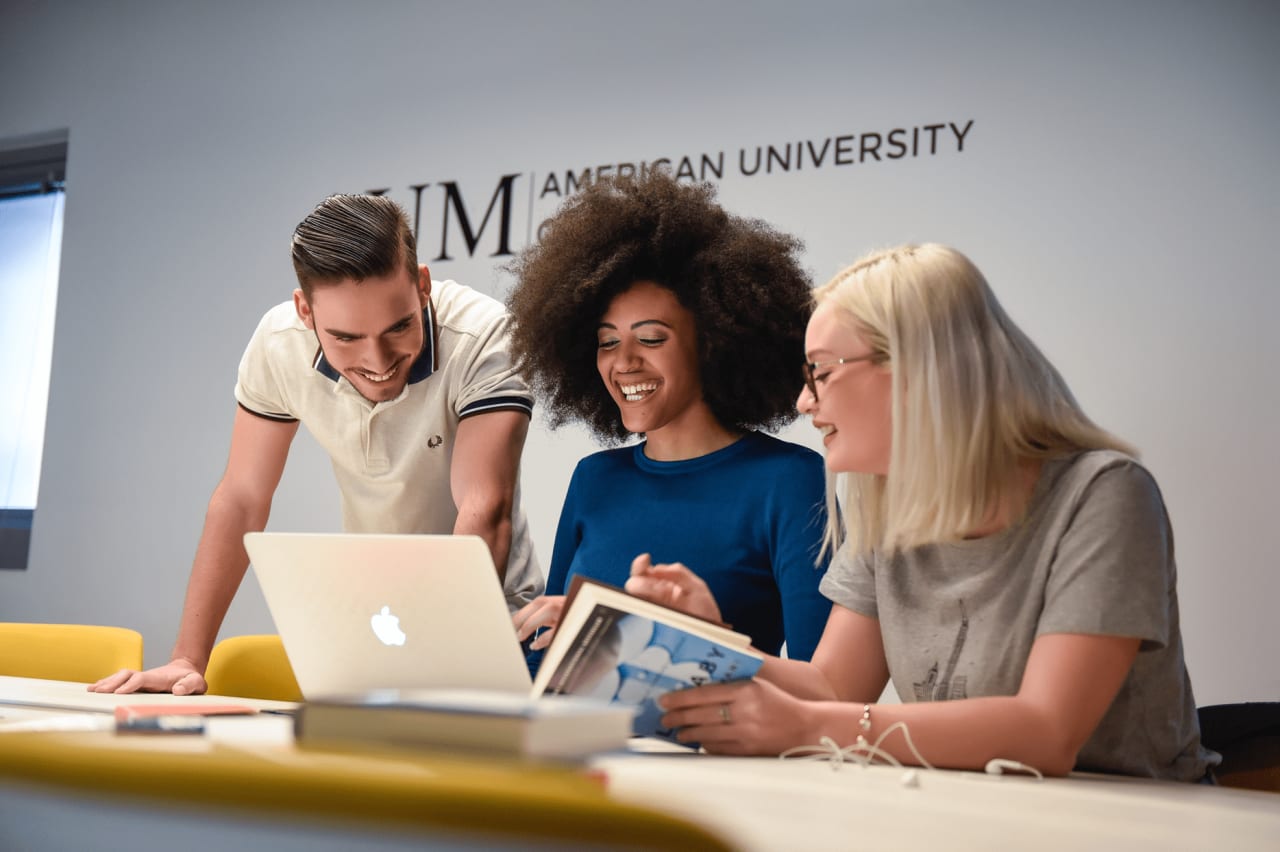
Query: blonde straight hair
{"points": [[972, 399]]}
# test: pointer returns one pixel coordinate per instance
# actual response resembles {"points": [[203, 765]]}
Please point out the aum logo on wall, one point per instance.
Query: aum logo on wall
{"points": [[441, 207]]}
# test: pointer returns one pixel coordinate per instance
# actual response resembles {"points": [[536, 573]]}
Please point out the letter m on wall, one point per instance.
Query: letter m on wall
{"points": [[456, 209]]}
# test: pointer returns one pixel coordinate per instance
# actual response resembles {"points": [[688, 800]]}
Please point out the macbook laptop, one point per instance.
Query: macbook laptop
{"points": [[359, 611]]}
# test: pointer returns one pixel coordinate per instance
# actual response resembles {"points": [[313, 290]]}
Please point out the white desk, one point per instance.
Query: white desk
{"points": [[772, 804], [753, 803], [26, 697], [243, 785]]}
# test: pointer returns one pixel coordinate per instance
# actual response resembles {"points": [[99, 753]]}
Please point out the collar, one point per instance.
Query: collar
{"points": [[423, 366]]}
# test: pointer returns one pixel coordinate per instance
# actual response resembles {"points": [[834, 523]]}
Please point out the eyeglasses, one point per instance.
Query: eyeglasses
{"points": [[811, 383]]}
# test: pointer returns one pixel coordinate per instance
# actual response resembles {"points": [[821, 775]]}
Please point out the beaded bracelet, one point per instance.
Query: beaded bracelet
{"points": [[865, 723]]}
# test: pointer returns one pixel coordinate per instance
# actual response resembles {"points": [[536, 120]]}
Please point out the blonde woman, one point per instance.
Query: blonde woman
{"points": [[1005, 561]]}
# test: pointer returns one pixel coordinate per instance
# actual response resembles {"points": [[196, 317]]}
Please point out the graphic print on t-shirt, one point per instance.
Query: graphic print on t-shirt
{"points": [[950, 686]]}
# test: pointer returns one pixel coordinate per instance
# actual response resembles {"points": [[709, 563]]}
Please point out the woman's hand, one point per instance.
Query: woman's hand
{"points": [[672, 585], [542, 611], [741, 717]]}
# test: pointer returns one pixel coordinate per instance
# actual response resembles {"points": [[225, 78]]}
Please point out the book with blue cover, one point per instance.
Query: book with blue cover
{"points": [[614, 646]]}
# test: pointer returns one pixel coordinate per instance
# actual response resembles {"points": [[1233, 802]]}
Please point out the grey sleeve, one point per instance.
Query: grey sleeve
{"points": [[851, 582], [1113, 572]]}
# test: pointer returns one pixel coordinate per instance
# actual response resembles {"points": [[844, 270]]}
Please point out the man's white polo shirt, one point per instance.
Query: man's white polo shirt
{"points": [[391, 459]]}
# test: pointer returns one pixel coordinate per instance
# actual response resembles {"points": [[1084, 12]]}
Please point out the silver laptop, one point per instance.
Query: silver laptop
{"points": [[358, 612]]}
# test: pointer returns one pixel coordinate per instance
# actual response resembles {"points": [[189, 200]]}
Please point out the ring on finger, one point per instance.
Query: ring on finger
{"points": [[724, 714]]}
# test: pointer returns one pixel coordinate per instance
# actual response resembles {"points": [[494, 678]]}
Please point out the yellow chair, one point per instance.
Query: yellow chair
{"points": [[252, 667], [83, 653]]}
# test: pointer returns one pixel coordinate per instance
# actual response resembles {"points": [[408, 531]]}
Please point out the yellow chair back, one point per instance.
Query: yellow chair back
{"points": [[252, 667], [83, 653]]}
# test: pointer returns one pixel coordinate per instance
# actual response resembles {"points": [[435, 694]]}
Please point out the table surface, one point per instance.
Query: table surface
{"points": [[653, 793], [250, 764], [769, 803]]}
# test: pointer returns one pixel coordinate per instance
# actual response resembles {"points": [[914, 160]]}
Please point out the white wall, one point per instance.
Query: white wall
{"points": [[1118, 187]]}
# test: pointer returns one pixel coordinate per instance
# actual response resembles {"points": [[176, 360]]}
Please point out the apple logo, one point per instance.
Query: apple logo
{"points": [[387, 627]]}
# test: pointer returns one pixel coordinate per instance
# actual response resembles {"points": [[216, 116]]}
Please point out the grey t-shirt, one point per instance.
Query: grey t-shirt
{"points": [[1093, 554]]}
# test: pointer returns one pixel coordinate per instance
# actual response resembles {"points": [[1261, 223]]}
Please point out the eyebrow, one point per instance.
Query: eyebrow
{"points": [[339, 333], [636, 325]]}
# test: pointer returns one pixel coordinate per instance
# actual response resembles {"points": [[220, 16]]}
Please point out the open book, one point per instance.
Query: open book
{"points": [[614, 646]]}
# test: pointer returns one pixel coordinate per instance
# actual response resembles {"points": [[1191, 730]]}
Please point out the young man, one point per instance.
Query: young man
{"points": [[411, 391]]}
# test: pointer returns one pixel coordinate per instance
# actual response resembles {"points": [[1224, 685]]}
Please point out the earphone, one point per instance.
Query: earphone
{"points": [[864, 753], [999, 766]]}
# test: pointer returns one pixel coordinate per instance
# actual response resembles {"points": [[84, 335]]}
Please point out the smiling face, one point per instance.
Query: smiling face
{"points": [[370, 331], [647, 356], [854, 409]]}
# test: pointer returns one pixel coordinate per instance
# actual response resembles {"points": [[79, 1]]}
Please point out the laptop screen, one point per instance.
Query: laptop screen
{"points": [[360, 611]]}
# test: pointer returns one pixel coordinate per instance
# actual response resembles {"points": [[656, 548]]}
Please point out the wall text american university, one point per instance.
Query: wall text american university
{"points": [[457, 219]]}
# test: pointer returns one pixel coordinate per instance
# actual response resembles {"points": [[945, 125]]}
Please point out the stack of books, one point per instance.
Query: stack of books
{"points": [[559, 728]]}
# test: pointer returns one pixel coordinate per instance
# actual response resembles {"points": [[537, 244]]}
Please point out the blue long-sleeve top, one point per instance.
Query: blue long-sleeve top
{"points": [[748, 519]]}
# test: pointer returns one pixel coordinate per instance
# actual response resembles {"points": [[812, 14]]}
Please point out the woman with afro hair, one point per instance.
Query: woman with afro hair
{"points": [[646, 309]]}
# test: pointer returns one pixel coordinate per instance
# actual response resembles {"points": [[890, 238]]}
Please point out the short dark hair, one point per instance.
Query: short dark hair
{"points": [[352, 237], [739, 278]]}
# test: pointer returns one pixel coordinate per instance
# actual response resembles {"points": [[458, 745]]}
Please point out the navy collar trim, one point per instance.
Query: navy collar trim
{"points": [[423, 366]]}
